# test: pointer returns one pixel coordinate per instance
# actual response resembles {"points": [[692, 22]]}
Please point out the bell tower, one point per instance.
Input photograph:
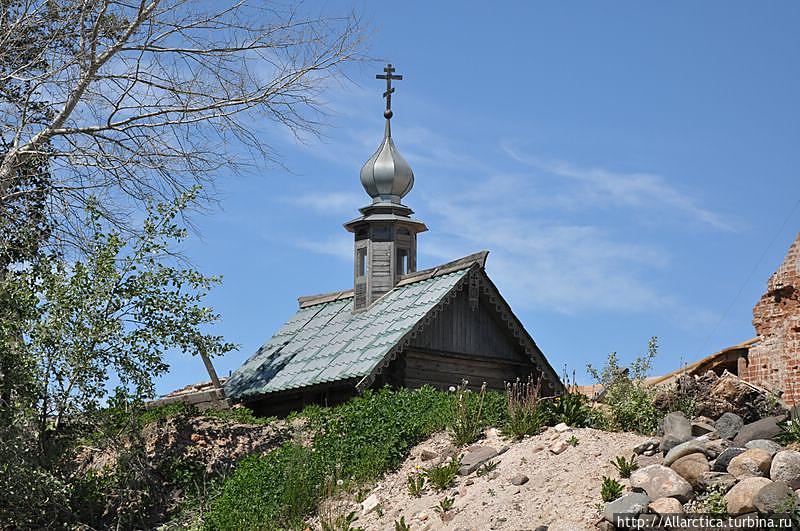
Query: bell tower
{"points": [[385, 234]]}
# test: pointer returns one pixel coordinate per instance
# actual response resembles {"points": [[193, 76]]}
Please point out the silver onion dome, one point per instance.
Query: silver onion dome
{"points": [[386, 176]]}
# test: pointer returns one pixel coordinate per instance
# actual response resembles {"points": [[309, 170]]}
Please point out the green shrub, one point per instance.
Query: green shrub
{"points": [[357, 440], [442, 477], [629, 400], [624, 466], [273, 491], [467, 420], [571, 408], [610, 490]]}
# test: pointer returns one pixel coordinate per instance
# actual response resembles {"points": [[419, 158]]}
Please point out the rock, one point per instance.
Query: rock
{"points": [[750, 463], [741, 498], [786, 467], [604, 525], [557, 447], [519, 479], [370, 503], [659, 481], [668, 442], [427, 455], [723, 460], [728, 425], [561, 427], [716, 480], [631, 504], [777, 497], [771, 447], [474, 458], [716, 447], [689, 467], [766, 428], [676, 427], [701, 428], [666, 506], [684, 449], [540, 528], [646, 446]]}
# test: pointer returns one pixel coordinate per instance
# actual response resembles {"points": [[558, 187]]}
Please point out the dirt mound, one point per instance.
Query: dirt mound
{"points": [[562, 490]]}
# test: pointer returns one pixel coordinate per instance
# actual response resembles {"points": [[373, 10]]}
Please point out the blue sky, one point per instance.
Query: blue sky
{"points": [[626, 163]]}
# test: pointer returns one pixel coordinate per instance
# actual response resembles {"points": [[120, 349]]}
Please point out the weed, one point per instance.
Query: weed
{"points": [[524, 417], [401, 525], [790, 432], [491, 493], [466, 425], [610, 490], [711, 502], [573, 441], [416, 484], [442, 477], [444, 508], [487, 468], [343, 522], [624, 466], [571, 408]]}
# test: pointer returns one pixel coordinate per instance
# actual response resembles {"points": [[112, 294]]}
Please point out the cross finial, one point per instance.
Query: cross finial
{"points": [[388, 76]]}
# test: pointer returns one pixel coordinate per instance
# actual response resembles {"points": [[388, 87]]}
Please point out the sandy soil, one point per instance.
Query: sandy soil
{"points": [[563, 491]]}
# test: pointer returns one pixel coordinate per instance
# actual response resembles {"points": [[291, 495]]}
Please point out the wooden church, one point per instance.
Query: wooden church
{"points": [[396, 326]]}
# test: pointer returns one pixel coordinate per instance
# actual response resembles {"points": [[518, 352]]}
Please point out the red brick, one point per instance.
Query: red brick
{"points": [[774, 362]]}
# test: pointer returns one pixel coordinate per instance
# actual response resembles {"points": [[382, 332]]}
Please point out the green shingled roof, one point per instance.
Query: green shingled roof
{"points": [[327, 342]]}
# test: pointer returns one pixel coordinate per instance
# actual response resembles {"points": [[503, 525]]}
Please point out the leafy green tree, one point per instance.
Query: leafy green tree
{"points": [[77, 335], [116, 313]]}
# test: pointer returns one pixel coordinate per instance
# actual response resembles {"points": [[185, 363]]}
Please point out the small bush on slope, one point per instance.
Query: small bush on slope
{"points": [[630, 402], [358, 440]]}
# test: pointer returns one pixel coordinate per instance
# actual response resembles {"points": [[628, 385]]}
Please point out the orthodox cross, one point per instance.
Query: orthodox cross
{"points": [[388, 76]]}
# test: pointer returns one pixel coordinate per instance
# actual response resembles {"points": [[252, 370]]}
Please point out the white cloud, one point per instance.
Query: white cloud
{"points": [[558, 232], [632, 190]]}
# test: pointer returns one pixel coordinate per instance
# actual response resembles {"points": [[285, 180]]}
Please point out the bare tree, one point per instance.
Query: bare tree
{"points": [[137, 100]]}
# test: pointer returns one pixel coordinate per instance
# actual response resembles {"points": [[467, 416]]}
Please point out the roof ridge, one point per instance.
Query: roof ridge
{"points": [[464, 262]]}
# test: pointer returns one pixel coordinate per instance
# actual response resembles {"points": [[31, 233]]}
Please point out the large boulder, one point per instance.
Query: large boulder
{"points": [[777, 497], [750, 463], [632, 503], [771, 447], [690, 467], [684, 449], [666, 506], [659, 481], [723, 459], [676, 429], [786, 467], [766, 428], [728, 425], [741, 498]]}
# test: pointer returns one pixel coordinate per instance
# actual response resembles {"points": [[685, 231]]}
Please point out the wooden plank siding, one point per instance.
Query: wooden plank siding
{"points": [[463, 343]]}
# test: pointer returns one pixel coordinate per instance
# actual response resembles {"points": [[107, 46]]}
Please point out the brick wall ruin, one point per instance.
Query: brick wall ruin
{"points": [[774, 362]]}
